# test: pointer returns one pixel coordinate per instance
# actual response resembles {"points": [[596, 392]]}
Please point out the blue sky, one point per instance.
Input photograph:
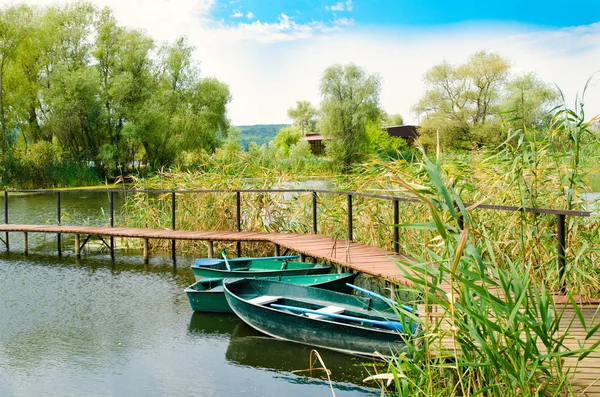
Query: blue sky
{"points": [[413, 13], [272, 53]]}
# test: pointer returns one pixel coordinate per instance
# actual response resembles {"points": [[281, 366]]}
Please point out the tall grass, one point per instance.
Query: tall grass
{"points": [[496, 330]]}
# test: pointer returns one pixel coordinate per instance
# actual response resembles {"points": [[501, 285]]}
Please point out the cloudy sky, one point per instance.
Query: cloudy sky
{"points": [[273, 52]]}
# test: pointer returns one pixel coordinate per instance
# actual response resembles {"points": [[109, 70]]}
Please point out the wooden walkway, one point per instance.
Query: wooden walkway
{"points": [[356, 256], [352, 255]]}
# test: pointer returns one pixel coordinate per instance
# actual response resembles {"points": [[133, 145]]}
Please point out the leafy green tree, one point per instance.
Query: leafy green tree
{"points": [[12, 32], [381, 143], [304, 115], [391, 120], [350, 100], [468, 93], [530, 99], [287, 137]]}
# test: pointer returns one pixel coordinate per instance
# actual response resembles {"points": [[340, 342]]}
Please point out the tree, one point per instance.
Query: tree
{"points": [[391, 120], [468, 93], [303, 115], [350, 100], [487, 73], [287, 137], [12, 32], [530, 99]]}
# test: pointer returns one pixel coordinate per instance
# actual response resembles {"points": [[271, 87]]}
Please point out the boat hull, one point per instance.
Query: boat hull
{"points": [[207, 295], [258, 268], [321, 332]]}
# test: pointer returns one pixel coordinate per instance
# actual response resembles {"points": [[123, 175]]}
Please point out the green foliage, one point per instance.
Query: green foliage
{"points": [[286, 138], [391, 120], [304, 116], [447, 134], [44, 165], [479, 95], [497, 327], [381, 143], [106, 93], [350, 100], [531, 100], [259, 134]]}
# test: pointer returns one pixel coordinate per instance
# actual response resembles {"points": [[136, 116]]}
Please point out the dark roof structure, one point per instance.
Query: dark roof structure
{"points": [[408, 132]]}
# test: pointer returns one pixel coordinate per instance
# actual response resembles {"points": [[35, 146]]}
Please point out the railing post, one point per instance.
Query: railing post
{"points": [[396, 230], [349, 217], [58, 214], [238, 217], [562, 239], [6, 218], [111, 197], [314, 211], [173, 227]]}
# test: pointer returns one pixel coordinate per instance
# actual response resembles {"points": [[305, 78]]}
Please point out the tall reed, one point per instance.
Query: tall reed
{"points": [[496, 331]]}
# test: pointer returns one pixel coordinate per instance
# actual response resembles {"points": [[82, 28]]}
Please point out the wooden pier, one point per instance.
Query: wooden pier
{"points": [[352, 255]]}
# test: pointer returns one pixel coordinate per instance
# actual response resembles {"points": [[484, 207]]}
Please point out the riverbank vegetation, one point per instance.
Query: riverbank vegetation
{"points": [[93, 94]]}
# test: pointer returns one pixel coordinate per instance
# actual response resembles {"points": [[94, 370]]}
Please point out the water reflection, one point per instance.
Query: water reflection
{"points": [[247, 347]]}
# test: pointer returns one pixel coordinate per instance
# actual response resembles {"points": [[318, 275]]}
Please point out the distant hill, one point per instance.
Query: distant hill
{"points": [[261, 133]]}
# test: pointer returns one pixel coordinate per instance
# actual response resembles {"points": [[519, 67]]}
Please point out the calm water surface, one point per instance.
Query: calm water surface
{"points": [[97, 327]]}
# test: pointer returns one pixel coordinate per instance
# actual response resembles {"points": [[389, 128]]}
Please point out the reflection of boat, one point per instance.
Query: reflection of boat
{"points": [[319, 317], [250, 348], [220, 325], [254, 267], [207, 295]]}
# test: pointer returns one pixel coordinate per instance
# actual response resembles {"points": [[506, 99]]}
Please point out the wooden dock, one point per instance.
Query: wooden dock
{"points": [[352, 255]]}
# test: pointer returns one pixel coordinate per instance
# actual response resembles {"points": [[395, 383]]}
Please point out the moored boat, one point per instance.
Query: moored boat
{"points": [[255, 267], [348, 323], [207, 295]]}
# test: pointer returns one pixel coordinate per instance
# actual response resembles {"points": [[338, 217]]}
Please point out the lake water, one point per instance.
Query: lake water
{"points": [[97, 327]]}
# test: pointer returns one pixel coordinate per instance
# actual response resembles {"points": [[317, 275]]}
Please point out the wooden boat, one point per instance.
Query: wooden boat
{"points": [[254, 267], [212, 262], [327, 319], [207, 295]]}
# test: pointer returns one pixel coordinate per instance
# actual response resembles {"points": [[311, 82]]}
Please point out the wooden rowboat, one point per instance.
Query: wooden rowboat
{"points": [[207, 295], [327, 319], [254, 267]]}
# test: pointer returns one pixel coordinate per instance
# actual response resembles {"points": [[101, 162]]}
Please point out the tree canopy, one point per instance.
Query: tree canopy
{"points": [[350, 100], [101, 92]]}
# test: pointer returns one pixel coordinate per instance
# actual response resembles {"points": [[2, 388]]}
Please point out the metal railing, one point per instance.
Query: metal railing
{"points": [[560, 214]]}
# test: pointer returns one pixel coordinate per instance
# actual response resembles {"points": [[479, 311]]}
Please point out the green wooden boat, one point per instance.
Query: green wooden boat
{"points": [[207, 295], [327, 319], [255, 267]]}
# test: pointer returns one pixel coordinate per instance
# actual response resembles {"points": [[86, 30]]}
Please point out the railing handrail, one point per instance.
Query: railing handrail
{"points": [[537, 210]]}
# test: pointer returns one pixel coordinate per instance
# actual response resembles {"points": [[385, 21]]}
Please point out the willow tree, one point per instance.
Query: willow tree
{"points": [[303, 115], [350, 100]]}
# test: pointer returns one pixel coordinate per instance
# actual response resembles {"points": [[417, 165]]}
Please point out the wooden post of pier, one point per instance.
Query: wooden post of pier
{"points": [[277, 250], [146, 252], [211, 249], [58, 236], [173, 226], [238, 213], [111, 196], [77, 246], [25, 243], [6, 218]]}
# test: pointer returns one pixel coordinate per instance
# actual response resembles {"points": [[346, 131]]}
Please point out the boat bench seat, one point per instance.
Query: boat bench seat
{"points": [[264, 300], [326, 310]]}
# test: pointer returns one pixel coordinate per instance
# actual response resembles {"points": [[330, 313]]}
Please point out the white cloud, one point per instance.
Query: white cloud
{"points": [[237, 14], [250, 15], [340, 6], [343, 22]]}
